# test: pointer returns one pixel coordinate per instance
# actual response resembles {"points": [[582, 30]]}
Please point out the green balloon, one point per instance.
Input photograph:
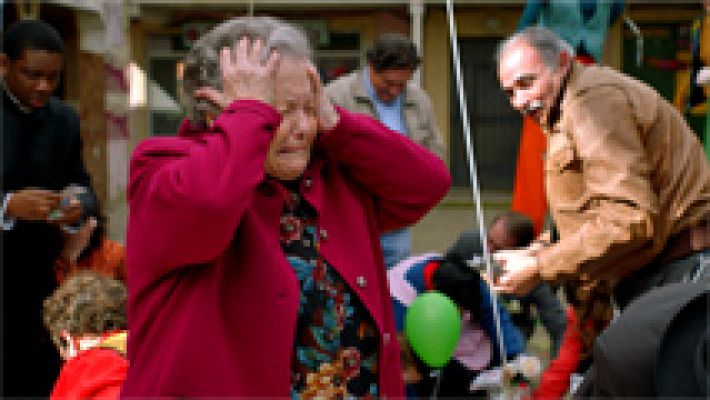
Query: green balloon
{"points": [[433, 327]]}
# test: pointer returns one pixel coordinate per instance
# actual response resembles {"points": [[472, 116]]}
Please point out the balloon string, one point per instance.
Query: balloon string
{"points": [[437, 383], [473, 172]]}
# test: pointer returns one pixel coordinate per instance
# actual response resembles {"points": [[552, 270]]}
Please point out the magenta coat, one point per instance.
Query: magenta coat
{"points": [[213, 301]]}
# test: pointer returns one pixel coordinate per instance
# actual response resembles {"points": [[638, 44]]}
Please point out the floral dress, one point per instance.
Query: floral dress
{"points": [[336, 348]]}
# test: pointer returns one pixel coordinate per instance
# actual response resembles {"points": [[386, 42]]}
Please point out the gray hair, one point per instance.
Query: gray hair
{"points": [[548, 44], [202, 61]]}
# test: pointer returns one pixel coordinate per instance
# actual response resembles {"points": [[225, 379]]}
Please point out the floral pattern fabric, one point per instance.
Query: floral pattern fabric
{"points": [[336, 347]]}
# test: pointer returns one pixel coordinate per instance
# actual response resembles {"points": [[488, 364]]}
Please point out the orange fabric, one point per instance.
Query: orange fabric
{"points": [[107, 259], [529, 189]]}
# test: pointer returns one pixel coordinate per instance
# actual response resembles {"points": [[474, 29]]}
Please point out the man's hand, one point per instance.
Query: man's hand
{"points": [[521, 271], [32, 204], [328, 117], [68, 213], [70, 208]]}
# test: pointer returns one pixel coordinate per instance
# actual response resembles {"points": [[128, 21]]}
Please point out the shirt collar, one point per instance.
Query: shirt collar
{"points": [[397, 102], [553, 116], [23, 108]]}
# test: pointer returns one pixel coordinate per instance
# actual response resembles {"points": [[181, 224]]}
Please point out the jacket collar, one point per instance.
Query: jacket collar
{"points": [[11, 96], [310, 186], [569, 85]]}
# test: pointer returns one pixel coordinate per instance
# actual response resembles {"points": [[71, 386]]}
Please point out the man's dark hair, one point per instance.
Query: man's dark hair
{"points": [[393, 51], [30, 34], [518, 226]]}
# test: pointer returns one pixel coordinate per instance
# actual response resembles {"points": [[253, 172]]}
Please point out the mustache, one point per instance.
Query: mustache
{"points": [[533, 106]]}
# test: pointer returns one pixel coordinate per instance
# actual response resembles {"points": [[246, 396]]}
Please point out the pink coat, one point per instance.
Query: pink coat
{"points": [[213, 301]]}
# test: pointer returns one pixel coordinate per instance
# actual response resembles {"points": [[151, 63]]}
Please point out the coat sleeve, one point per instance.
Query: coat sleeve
{"points": [[406, 179], [187, 195], [435, 139], [617, 194]]}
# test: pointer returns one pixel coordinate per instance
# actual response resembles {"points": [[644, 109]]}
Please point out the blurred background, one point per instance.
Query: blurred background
{"points": [[123, 69]]}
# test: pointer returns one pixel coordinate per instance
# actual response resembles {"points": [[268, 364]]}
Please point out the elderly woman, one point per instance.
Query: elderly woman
{"points": [[254, 265]]}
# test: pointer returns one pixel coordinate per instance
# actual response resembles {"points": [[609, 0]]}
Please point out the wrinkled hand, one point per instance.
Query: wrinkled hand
{"points": [[328, 117], [521, 271], [75, 243], [244, 76], [32, 204]]}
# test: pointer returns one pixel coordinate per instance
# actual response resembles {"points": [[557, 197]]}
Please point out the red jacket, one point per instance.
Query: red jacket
{"points": [[96, 373], [555, 381], [213, 301]]}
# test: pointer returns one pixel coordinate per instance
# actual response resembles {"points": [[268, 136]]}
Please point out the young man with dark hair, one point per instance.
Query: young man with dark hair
{"points": [[46, 195], [384, 90]]}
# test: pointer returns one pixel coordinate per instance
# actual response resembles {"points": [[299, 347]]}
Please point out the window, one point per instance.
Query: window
{"points": [[335, 55], [495, 126], [164, 71], [340, 55]]}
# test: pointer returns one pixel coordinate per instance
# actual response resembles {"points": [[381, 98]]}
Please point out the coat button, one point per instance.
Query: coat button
{"points": [[386, 338], [308, 182], [323, 234], [361, 281]]}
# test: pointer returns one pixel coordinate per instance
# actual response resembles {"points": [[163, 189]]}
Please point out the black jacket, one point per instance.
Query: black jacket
{"points": [[41, 149]]}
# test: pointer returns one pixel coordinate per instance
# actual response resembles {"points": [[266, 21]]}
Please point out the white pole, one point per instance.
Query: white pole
{"points": [[472, 168], [416, 10]]}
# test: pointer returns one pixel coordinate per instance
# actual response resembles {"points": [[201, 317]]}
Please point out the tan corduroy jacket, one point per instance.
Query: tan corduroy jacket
{"points": [[624, 172], [349, 92]]}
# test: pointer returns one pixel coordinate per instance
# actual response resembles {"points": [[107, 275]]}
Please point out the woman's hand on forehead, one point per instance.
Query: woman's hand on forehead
{"points": [[244, 75]]}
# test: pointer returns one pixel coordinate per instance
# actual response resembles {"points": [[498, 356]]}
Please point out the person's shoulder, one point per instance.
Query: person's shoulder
{"points": [[600, 87], [344, 80], [61, 112], [417, 94], [61, 107], [591, 79], [342, 86]]}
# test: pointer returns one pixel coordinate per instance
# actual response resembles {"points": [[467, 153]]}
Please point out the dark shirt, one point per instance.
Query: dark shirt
{"points": [[336, 349], [41, 149]]}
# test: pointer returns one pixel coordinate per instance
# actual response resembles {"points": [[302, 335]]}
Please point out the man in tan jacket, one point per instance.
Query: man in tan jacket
{"points": [[627, 180], [384, 90]]}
